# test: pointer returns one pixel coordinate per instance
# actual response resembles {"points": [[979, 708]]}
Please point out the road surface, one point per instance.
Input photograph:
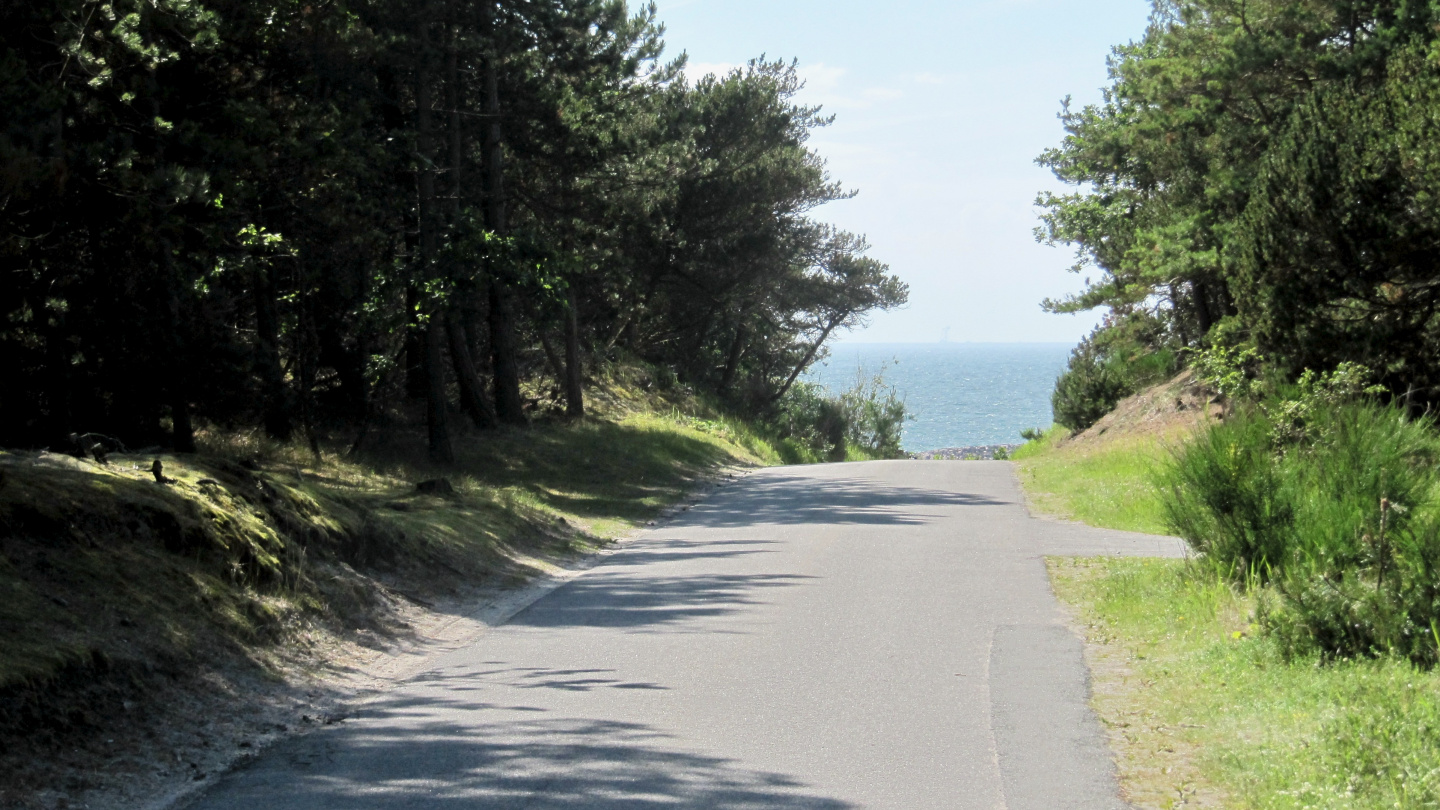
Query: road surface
{"points": [[877, 635]]}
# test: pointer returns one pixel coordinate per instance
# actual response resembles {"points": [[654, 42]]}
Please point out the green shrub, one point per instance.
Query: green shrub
{"points": [[1222, 494], [1088, 389], [817, 425], [1337, 508], [875, 415], [1117, 360]]}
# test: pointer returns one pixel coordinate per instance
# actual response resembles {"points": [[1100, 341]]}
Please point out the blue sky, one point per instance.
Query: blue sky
{"points": [[941, 109]]}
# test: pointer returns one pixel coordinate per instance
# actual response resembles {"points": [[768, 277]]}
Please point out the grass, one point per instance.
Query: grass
{"points": [[1103, 484], [1204, 712], [107, 576]]}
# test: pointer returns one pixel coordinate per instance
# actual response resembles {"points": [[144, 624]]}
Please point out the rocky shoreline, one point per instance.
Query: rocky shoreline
{"points": [[984, 452]]}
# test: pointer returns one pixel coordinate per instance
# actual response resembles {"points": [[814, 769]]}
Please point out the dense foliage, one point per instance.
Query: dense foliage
{"points": [[305, 215], [1332, 498], [815, 424], [1123, 357], [1263, 173]]}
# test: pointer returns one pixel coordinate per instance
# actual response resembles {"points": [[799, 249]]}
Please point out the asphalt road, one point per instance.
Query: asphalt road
{"points": [[852, 635]]}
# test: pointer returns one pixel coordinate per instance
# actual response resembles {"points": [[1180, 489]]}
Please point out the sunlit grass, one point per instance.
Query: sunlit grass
{"points": [[251, 536], [1108, 485], [1199, 706]]}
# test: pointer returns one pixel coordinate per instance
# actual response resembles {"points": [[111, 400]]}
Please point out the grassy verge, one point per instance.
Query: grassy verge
{"points": [[1202, 712], [251, 554], [1103, 484]]}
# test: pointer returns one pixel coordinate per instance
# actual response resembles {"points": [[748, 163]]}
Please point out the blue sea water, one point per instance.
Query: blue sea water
{"points": [[960, 394]]}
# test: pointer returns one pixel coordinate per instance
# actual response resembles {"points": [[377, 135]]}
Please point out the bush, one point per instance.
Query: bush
{"points": [[870, 417], [1337, 508], [875, 415], [810, 419], [1222, 494], [1114, 362], [1087, 390]]}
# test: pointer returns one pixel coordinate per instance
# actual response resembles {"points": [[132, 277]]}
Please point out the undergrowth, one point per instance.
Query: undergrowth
{"points": [[110, 579]]}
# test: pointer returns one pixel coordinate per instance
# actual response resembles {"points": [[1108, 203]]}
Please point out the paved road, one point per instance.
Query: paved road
{"points": [[876, 635]]}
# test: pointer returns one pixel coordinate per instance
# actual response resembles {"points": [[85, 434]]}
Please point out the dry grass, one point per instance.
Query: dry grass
{"points": [[255, 558]]}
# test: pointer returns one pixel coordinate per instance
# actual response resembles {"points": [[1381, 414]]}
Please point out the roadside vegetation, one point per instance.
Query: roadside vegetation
{"points": [[1291, 663], [130, 594], [1251, 205], [1206, 709], [132, 590], [1109, 484]]}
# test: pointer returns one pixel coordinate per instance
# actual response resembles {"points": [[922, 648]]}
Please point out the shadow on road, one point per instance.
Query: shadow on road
{"points": [[793, 500], [643, 599], [390, 763]]}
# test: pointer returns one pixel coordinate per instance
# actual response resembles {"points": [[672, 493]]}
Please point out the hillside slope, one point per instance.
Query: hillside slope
{"points": [[150, 630], [1102, 475]]}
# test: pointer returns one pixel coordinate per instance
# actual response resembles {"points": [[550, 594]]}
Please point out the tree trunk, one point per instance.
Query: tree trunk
{"points": [[1204, 317], [552, 358], [267, 358], [414, 346], [574, 373], [809, 356], [182, 430], [473, 397], [437, 416], [472, 389], [732, 362], [1177, 307], [508, 405], [505, 363]]}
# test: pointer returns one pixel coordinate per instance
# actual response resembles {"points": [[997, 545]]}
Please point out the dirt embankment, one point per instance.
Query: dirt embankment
{"points": [[1181, 403], [154, 631], [150, 631]]}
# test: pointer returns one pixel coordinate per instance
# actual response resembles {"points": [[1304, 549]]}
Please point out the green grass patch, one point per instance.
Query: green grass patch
{"points": [[1200, 706], [1103, 484]]}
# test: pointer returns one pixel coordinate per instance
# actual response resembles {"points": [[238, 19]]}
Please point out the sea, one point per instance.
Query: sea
{"points": [[958, 394]]}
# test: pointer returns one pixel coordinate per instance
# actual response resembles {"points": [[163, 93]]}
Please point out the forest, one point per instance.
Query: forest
{"points": [[1261, 179], [317, 217]]}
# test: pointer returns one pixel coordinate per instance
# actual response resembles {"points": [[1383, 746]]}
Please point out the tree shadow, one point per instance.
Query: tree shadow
{"points": [[644, 600], [568, 680], [795, 499], [531, 762]]}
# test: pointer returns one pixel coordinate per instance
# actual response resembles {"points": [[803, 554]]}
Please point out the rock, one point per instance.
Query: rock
{"points": [[435, 486]]}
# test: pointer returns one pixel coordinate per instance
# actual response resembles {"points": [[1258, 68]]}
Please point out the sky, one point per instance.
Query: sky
{"points": [[941, 108]]}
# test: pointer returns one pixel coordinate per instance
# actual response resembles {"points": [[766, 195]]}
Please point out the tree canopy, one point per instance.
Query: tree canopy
{"points": [[298, 215], [1263, 172]]}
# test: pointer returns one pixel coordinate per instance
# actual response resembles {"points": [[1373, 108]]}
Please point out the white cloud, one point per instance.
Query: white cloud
{"points": [[820, 77], [828, 86], [699, 70]]}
